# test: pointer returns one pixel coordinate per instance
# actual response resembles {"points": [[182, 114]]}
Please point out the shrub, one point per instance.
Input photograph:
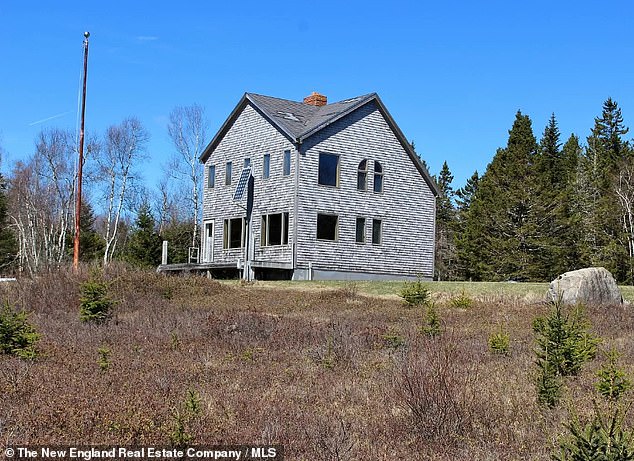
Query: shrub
{"points": [[95, 305], [431, 322], [462, 301], [613, 381], [415, 293], [104, 358], [564, 340], [17, 335], [549, 385], [603, 438], [499, 342]]}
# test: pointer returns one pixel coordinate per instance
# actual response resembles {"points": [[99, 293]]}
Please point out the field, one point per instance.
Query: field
{"points": [[331, 371]]}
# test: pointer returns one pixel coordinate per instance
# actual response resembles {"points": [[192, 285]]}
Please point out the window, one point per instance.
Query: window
{"points": [[247, 162], [360, 230], [362, 175], [233, 236], [266, 166], [327, 227], [287, 162], [211, 176], [376, 231], [274, 229], [328, 170], [378, 177], [228, 174]]}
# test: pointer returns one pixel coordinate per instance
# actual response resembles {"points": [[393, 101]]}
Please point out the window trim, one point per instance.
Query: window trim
{"points": [[286, 163], [362, 220], [337, 170], [266, 166], [226, 233], [378, 174], [211, 176], [228, 173], [362, 173], [380, 231], [265, 233], [336, 236]]}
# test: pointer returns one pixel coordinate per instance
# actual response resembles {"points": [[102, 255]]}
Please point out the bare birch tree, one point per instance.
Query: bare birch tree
{"points": [[124, 146], [624, 189], [187, 129], [42, 194]]}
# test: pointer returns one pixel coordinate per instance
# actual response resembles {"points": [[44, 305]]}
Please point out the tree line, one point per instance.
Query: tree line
{"points": [[121, 219], [543, 207]]}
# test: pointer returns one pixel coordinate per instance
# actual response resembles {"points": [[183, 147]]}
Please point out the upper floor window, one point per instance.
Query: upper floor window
{"points": [[228, 168], [266, 166], [378, 177], [287, 162], [274, 229], [247, 162], [327, 227], [211, 176], [328, 169], [362, 175]]}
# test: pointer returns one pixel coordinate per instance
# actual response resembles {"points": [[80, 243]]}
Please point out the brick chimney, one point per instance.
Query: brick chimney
{"points": [[316, 99]]}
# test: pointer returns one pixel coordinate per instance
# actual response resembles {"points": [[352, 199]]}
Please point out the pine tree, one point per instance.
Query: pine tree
{"points": [[445, 226], [605, 152], [144, 247], [465, 195], [501, 225], [466, 236], [8, 244]]}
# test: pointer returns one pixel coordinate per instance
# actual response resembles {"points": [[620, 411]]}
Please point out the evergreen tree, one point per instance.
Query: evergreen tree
{"points": [[465, 195], [144, 246], [8, 244], [445, 226], [502, 228], [177, 235], [466, 236], [605, 152]]}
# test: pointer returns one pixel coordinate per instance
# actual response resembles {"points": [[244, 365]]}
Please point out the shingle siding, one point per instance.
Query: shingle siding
{"points": [[405, 207], [251, 136]]}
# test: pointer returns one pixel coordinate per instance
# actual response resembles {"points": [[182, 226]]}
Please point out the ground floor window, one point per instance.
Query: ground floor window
{"points": [[360, 238], [274, 229], [327, 227], [233, 235]]}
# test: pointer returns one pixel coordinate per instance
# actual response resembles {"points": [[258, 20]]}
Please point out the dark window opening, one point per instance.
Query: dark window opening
{"points": [[328, 170], [362, 175], [274, 229], [233, 233], [360, 238], [211, 176], [228, 174], [378, 177], [266, 166], [287, 162], [376, 231], [327, 227]]}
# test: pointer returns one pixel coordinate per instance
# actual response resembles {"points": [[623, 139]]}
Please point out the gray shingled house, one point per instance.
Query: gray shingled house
{"points": [[311, 190]]}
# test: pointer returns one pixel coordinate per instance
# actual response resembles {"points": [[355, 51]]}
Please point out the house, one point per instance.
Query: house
{"points": [[311, 190]]}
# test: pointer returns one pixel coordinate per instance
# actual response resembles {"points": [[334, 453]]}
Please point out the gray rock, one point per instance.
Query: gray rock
{"points": [[593, 285]]}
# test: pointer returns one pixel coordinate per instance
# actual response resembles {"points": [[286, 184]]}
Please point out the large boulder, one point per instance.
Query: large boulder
{"points": [[593, 285]]}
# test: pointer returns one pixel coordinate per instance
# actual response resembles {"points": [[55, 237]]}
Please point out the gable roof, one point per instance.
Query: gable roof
{"points": [[299, 121]]}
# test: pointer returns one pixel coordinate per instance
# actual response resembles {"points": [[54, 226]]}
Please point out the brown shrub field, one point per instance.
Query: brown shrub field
{"points": [[329, 373]]}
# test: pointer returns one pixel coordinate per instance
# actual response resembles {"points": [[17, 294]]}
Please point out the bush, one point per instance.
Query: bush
{"points": [[462, 301], [564, 340], [613, 381], [431, 323], [604, 438], [17, 335], [499, 343], [415, 293], [95, 305]]}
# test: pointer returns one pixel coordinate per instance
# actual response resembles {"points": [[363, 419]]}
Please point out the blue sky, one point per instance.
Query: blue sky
{"points": [[451, 73]]}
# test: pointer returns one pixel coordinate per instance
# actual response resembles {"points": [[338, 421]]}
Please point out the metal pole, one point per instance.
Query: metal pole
{"points": [[81, 158]]}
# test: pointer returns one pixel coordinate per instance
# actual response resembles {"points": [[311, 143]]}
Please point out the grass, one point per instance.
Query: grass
{"points": [[329, 370]]}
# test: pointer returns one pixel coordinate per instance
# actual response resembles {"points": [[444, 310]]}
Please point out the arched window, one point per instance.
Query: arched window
{"points": [[362, 175], [378, 177]]}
